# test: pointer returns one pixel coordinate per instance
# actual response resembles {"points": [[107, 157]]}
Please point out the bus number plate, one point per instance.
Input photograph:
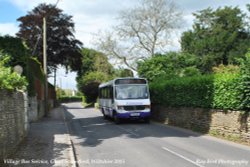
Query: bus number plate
{"points": [[135, 114]]}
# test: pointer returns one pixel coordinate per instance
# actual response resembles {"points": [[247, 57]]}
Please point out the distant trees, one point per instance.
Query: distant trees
{"points": [[124, 72], [142, 31], [63, 47], [96, 69], [218, 37]]}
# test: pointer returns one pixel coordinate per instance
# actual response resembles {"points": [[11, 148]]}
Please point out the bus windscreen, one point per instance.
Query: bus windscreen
{"points": [[123, 92]]}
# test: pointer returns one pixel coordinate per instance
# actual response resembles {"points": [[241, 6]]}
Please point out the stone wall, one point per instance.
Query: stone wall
{"points": [[13, 120], [36, 108], [33, 109], [234, 125]]}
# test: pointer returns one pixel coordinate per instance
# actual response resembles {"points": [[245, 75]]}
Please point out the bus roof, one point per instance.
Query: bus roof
{"points": [[113, 81]]}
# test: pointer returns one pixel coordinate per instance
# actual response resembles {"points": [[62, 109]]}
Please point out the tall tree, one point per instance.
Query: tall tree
{"points": [[62, 46], [143, 31], [94, 70], [92, 61], [219, 36]]}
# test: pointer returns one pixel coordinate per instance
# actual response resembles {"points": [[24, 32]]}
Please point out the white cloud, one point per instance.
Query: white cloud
{"points": [[8, 29], [89, 15], [86, 26]]}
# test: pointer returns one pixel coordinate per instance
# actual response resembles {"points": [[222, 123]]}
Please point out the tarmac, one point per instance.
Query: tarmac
{"points": [[47, 144]]}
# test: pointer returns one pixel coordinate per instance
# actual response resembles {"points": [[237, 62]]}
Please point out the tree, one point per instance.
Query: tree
{"points": [[143, 31], [88, 85], [170, 65], [124, 72], [219, 37], [15, 48], [93, 60], [62, 47], [94, 70]]}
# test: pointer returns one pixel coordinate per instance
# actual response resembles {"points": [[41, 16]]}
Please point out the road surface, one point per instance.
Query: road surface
{"points": [[100, 142]]}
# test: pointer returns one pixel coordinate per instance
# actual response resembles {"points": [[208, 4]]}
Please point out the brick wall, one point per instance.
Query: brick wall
{"points": [[13, 120], [229, 124]]}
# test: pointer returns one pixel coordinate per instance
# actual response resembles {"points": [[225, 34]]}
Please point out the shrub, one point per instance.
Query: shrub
{"points": [[245, 82], [186, 91], [190, 71], [208, 91], [11, 80], [66, 99], [226, 91]]}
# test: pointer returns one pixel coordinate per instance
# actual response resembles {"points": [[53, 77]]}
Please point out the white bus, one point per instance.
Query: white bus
{"points": [[125, 98]]}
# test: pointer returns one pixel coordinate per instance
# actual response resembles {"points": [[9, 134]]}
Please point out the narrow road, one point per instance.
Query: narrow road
{"points": [[100, 142]]}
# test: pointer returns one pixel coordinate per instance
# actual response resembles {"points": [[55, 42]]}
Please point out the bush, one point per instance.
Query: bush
{"points": [[186, 91], [11, 80], [89, 83], [66, 99], [245, 82], [226, 91], [208, 91], [84, 104]]}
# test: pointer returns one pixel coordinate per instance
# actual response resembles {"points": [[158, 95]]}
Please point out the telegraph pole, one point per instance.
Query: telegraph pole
{"points": [[46, 106], [45, 68]]}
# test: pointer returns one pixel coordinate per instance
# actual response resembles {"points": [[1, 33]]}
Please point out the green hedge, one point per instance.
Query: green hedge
{"points": [[66, 99], [221, 91]]}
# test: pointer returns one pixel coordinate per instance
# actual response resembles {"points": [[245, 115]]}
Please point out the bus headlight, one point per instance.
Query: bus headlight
{"points": [[147, 107], [120, 108]]}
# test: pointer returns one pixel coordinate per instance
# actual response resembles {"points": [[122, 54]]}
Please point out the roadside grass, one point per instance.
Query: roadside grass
{"points": [[233, 137]]}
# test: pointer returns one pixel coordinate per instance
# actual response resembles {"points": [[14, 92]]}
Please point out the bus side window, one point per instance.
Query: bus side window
{"points": [[111, 92], [104, 93], [100, 93], [108, 92]]}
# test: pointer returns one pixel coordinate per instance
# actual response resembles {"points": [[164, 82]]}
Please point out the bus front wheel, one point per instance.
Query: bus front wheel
{"points": [[147, 120], [104, 115], [116, 119]]}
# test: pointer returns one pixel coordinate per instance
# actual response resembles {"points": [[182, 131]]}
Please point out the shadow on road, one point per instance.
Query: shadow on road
{"points": [[92, 129]]}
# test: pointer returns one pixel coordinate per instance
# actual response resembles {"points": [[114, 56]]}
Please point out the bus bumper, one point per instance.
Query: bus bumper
{"points": [[134, 115]]}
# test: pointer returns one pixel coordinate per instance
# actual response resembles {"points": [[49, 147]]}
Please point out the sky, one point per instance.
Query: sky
{"points": [[91, 16]]}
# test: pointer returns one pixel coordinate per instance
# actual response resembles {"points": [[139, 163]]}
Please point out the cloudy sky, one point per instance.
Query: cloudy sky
{"points": [[90, 16]]}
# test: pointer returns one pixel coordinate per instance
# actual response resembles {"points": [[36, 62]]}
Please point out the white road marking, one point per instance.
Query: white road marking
{"points": [[181, 156]]}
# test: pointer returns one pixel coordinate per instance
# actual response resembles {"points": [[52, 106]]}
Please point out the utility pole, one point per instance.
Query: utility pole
{"points": [[46, 106], [45, 68]]}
